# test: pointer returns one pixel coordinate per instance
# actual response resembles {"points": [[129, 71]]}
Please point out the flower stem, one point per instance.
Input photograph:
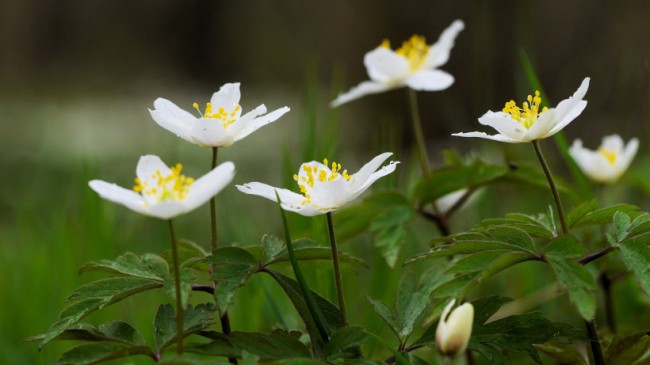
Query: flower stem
{"points": [[177, 283], [594, 341], [551, 183], [213, 207], [417, 131], [337, 269]]}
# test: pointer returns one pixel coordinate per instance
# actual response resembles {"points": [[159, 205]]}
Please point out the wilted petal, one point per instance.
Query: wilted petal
{"points": [[384, 65], [174, 119], [364, 88], [209, 185], [429, 80], [439, 53]]}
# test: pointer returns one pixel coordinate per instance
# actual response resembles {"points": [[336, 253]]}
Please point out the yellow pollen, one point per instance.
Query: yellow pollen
{"points": [[173, 186], [311, 174], [529, 112], [226, 117], [611, 156], [415, 50]]}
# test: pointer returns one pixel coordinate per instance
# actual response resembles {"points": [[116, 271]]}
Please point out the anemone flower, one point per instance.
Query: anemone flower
{"points": [[413, 65], [454, 329], [608, 162], [163, 192], [528, 123], [220, 124], [324, 187]]}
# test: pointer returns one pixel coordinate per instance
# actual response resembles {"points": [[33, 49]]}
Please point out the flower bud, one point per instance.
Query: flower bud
{"points": [[453, 332]]}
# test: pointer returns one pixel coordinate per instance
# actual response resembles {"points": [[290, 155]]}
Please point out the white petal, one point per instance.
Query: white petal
{"points": [[613, 143], [289, 198], [495, 137], [174, 119], [628, 153], [363, 89], [429, 80], [227, 97], [148, 166], [503, 124], [330, 195], [447, 201], [119, 195], [374, 177], [384, 65], [167, 209], [542, 127], [260, 122], [359, 177], [210, 132], [567, 110], [209, 185], [439, 52]]}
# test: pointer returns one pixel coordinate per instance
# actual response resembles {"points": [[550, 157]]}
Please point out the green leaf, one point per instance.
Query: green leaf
{"points": [[116, 331], [387, 314], [345, 343], [277, 345], [389, 230], [187, 277], [195, 319], [307, 249], [603, 215], [474, 262], [513, 236], [533, 229], [565, 247], [272, 247], [515, 333], [563, 353], [146, 266], [628, 350], [233, 267], [579, 211], [622, 224], [189, 254], [98, 352], [636, 256]]}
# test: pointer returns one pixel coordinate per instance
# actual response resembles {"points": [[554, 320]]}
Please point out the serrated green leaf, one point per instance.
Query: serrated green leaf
{"points": [[579, 211], [513, 236], [277, 345], [146, 266], [636, 256], [195, 319], [233, 266], [622, 223], [345, 343], [628, 350], [565, 247], [543, 220], [563, 353], [272, 246], [604, 215], [187, 277], [387, 314], [189, 254], [317, 253], [533, 229], [98, 352], [577, 280], [462, 248], [474, 262], [389, 231]]}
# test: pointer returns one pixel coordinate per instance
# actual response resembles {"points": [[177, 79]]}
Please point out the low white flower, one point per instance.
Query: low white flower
{"points": [[164, 192], [608, 162], [220, 125], [324, 187], [413, 65], [526, 124], [453, 332]]}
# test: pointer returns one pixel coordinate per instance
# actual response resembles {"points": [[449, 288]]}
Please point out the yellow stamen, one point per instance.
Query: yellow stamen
{"points": [[415, 50], [173, 186], [529, 112], [611, 156], [226, 117]]}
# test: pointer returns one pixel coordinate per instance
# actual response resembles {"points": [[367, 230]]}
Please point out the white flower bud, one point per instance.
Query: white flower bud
{"points": [[453, 332]]}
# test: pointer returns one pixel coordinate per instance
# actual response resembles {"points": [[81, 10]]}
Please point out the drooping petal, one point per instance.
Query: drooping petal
{"points": [[209, 185], [120, 195], [259, 122], [439, 52], [503, 124], [363, 89], [568, 109], [227, 98], [495, 137], [211, 132], [429, 80], [384, 65], [174, 119], [148, 168], [360, 177]]}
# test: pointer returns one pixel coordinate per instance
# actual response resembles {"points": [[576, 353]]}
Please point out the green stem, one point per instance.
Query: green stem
{"points": [[417, 131], [337, 269], [177, 283], [594, 341], [315, 311], [213, 207], [551, 184]]}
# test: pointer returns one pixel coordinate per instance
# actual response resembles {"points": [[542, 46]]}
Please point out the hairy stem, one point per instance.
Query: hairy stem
{"points": [[551, 183], [417, 131], [177, 283], [594, 341], [337, 269]]}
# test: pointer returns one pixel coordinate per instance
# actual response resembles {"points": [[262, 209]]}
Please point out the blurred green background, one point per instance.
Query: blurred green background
{"points": [[77, 77]]}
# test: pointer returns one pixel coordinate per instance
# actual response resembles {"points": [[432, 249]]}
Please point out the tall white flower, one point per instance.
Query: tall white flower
{"points": [[453, 332], [220, 124], [528, 123], [324, 187], [164, 192], [609, 161], [414, 65]]}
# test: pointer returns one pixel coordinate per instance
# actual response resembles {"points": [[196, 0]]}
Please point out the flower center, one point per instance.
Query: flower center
{"points": [[171, 187], [313, 174], [226, 117], [528, 113], [609, 155], [415, 50]]}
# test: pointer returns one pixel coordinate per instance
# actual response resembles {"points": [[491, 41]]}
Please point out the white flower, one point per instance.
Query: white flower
{"points": [[164, 192], [447, 201], [609, 161], [413, 65], [526, 124], [220, 125], [453, 332], [323, 189]]}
